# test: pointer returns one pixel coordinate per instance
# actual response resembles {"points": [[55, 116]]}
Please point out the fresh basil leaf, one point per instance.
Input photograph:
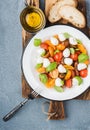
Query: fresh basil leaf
{"points": [[67, 35], [38, 66], [79, 41], [37, 42], [83, 57], [58, 89], [43, 78], [51, 67], [72, 50]]}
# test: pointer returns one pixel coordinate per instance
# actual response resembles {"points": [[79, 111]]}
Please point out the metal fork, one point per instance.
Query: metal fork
{"points": [[31, 96]]}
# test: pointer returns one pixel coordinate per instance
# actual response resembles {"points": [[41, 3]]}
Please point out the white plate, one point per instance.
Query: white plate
{"points": [[29, 62]]}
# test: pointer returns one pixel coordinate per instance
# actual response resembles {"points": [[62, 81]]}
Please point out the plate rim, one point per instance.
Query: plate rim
{"points": [[23, 69]]}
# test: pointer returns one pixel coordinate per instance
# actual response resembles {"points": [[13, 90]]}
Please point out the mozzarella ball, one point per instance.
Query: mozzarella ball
{"points": [[46, 62], [74, 82], [61, 69], [61, 37], [68, 61], [66, 52], [41, 51], [58, 82], [39, 60], [54, 41], [81, 66], [72, 41]]}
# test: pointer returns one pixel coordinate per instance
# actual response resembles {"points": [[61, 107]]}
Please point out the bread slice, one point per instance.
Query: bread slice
{"points": [[48, 5], [72, 15], [54, 14]]}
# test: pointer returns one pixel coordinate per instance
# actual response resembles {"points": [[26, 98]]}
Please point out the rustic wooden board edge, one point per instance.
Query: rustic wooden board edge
{"points": [[89, 32], [85, 95], [25, 39], [27, 89], [57, 110]]}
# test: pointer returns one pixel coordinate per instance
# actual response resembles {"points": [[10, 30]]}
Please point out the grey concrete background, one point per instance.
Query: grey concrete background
{"points": [[31, 116]]}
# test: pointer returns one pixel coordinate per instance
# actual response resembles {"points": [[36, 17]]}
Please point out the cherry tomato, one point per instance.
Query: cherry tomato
{"points": [[84, 73], [68, 83], [51, 59], [61, 47], [44, 46], [58, 57], [74, 56], [78, 52]]}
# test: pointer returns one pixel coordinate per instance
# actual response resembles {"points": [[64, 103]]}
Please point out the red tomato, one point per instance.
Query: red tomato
{"points": [[74, 56], [78, 52], [84, 73], [58, 56], [51, 59], [44, 46], [68, 83]]}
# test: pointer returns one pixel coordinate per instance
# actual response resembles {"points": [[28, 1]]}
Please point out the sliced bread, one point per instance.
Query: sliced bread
{"points": [[72, 15], [54, 14], [48, 5]]}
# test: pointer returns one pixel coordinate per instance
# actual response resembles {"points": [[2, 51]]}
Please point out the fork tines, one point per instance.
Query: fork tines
{"points": [[35, 93]]}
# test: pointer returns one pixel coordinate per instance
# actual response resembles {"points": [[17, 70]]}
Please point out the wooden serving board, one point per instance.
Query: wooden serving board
{"points": [[26, 88], [55, 106], [82, 7]]}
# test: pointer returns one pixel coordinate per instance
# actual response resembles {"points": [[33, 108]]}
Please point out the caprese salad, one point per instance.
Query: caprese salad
{"points": [[62, 61]]}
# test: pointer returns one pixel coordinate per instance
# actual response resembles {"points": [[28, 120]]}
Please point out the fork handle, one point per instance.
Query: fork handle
{"points": [[15, 110]]}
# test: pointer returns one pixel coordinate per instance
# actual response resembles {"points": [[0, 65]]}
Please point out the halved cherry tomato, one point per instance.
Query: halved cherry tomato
{"points": [[82, 48], [41, 70], [54, 74], [48, 42], [58, 56], [68, 75], [50, 83], [44, 46], [51, 59], [68, 83], [74, 56], [51, 51], [78, 52], [84, 73], [61, 47]]}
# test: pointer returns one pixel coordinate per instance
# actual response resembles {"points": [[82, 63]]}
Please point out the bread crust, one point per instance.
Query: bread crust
{"points": [[54, 14], [73, 15]]}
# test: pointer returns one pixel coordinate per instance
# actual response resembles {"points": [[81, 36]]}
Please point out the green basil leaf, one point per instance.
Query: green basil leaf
{"points": [[79, 79], [83, 57], [56, 51], [67, 35], [37, 42], [58, 89], [72, 50], [79, 41], [43, 78], [51, 67], [38, 66]]}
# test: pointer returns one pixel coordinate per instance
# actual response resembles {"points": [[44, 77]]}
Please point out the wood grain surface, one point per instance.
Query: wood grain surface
{"points": [[54, 106], [57, 107], [26, 88], [25, 39]]}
